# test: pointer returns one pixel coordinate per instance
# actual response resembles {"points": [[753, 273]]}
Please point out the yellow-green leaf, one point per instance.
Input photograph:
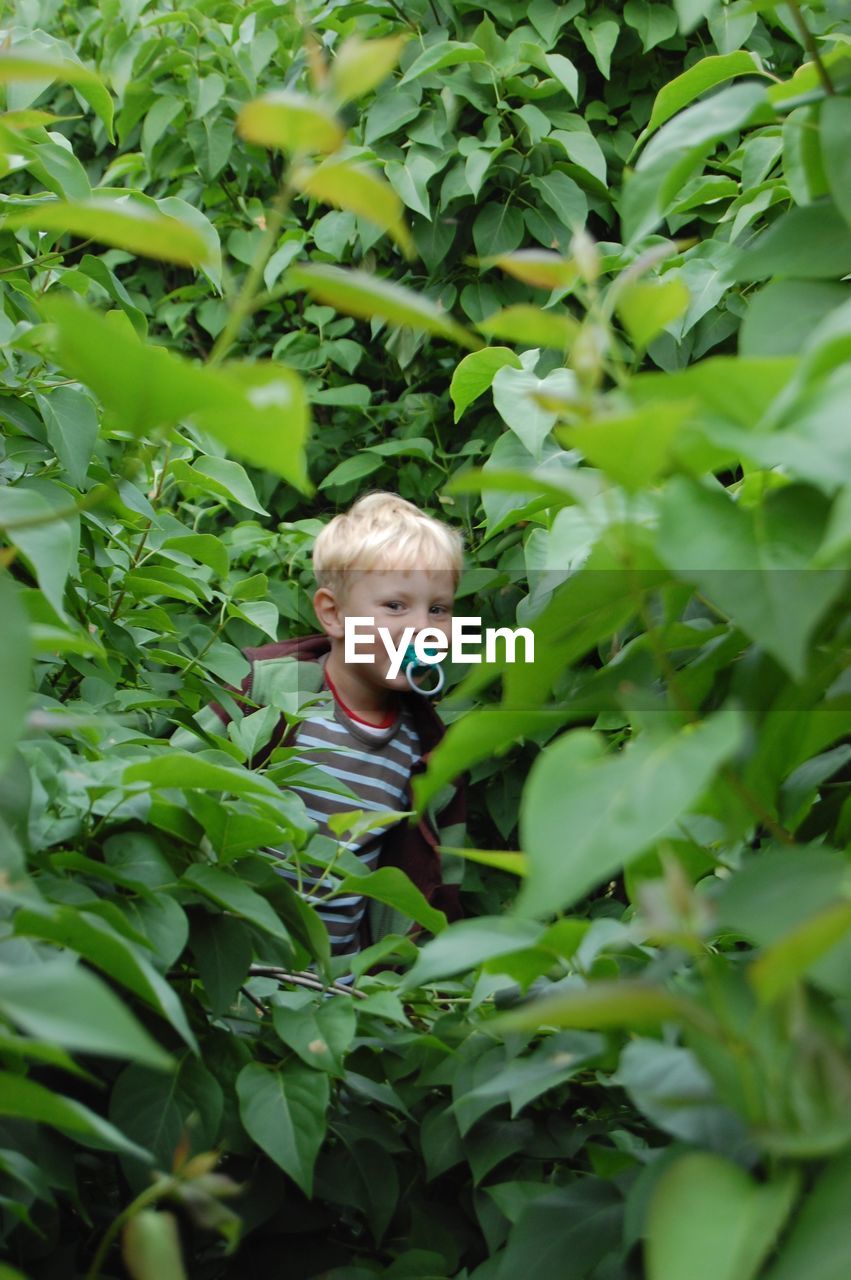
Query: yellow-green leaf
{"points": [[362, 64], [357, 293], [531, 326], [540, 267], [632, 448], [604, 1004], [120, 223], [646, 307], [359, 190], [788, 959], [502, 859], [290, 122]]}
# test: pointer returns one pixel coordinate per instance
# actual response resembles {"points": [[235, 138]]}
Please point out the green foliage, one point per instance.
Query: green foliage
{"points": [[254, 235]]}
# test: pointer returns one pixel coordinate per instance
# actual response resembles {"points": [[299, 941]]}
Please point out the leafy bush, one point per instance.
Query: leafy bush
{"points": [[221, 226]]}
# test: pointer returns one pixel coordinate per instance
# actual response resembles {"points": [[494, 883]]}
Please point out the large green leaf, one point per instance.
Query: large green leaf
{"points": [[360, 294], [476, 373], [395, 889], [64, 1003], [603, 1005], [587, 813], [121, 223], [161, 1111], [25, 1099], [230, 893], [469, 943], [283, 1110], [103, 947], [709, 1220], [818, 1245], [257, 410], [704, 75], [812, 243], [755, 565], [14, 666], [446, 53]]}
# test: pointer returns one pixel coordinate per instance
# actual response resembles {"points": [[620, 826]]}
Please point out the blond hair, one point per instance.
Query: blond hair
{"points": [[384, 531]]}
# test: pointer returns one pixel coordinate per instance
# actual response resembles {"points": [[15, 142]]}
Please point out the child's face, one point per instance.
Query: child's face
{"points": [[395, 599]]}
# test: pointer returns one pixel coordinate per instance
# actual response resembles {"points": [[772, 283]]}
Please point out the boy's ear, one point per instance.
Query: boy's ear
{"points": [[329, 613]]}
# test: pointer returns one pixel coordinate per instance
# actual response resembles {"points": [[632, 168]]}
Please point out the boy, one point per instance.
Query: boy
{"points": [[387, 561]]}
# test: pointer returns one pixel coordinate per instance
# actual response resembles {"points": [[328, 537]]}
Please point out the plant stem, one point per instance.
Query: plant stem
{"points": [[137, 554], [811, 47], [243, 305], [147, 1197]]}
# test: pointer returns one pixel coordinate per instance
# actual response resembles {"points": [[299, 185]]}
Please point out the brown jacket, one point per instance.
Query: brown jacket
{"points": [[411, 846]]}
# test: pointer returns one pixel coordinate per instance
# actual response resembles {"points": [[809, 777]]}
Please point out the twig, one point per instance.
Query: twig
{"points": [[811, 47]]}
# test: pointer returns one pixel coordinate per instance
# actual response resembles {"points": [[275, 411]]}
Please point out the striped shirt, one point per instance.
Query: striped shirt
{"points": [[375, 763]]}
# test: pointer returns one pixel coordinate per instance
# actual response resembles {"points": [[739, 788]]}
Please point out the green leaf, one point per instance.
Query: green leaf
{"points": [[284, 1111], [290, 122], [709, 1220], [653, 22], [614, 805], [703, 124], [26, 1100], [320, 1033], [601, 1005], [221, 477], [692, 12], [192, 769], [163, 1110], [150, 1246], [498, 229], [223, 952], [788, 959], [467, 944], [784, 313], [30, 523], [754, 564], [410, 180], [446, 53], [258, 410], [350, 469], [29, 62], [105, 949], [359, 190], [61, 1002], [395, 889], [565, 197], [206, 548], [563, 70], [834, 132], [813, 243], [516, 395], [121, 223], [476, 373], [358, 293], [818, 1246], [600, 35], [537, 266], [633, 448], [361, 65], [704, 75], [531, 326], [646, 308], [233, 895], [72, 429], [14, 666]]}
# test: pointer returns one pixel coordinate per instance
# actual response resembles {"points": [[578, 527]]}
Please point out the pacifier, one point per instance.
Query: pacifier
{"points": [[411, 663]]}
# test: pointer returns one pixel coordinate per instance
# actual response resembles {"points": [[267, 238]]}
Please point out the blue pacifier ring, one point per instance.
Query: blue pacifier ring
{"points": [[412, 664]]}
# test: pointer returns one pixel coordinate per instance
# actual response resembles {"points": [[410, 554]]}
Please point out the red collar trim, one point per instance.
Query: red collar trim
{"points": [[383, 724]]}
